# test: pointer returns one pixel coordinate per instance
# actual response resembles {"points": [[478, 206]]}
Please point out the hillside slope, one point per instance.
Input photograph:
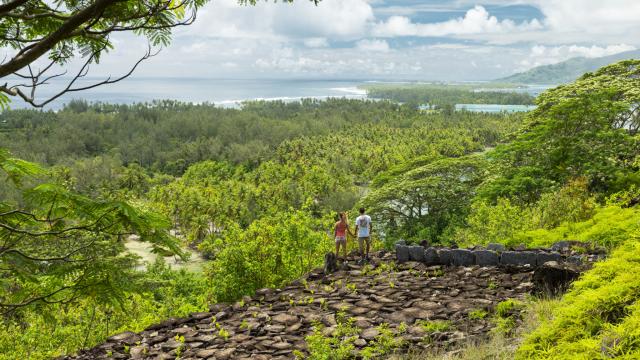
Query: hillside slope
{"points": [[371, 309], [566, 71]]}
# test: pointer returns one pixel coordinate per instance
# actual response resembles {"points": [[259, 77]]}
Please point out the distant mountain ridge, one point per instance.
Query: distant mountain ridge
{"points": [[568, 70]]}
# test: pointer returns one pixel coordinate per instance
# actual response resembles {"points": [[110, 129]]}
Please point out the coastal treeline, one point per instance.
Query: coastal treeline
{"points": [[445, 96]]}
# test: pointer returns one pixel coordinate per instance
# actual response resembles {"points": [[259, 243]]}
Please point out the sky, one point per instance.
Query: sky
{"points": [[385, 39]]}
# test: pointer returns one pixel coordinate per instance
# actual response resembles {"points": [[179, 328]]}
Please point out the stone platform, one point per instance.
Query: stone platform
{"points": [[273, 323]]}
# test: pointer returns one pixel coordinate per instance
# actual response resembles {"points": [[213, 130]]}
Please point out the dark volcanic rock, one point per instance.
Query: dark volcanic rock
{"points": [[519, 258], [444, 257], [431, 256], [575, 259], [544, 257], [486, 258], [416, 253], [402, 253], [462, 257], [553, 278], [330, 263]]}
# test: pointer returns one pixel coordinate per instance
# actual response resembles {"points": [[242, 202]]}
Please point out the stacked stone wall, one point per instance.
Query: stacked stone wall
{"points": [[495, 255]]}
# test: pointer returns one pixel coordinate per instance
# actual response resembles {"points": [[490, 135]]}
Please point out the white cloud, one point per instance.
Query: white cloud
{"points": [[295, 40], [475, 21], [338, 19], [546, 55], [372, 45], [316, 42], [573, 21]]}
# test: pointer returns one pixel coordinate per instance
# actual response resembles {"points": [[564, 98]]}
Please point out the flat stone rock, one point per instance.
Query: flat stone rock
{"points": [[127, 337], [281, 345], [225, 354], [544, 257], [206, 353], [285, 319], [369, 334]]}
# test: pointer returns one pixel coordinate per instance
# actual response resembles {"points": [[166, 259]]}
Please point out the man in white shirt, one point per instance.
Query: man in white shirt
{"points": [[363, 229]]}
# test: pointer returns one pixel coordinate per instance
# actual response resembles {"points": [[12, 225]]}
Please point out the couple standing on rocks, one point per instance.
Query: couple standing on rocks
{"points": [[363, 228]]}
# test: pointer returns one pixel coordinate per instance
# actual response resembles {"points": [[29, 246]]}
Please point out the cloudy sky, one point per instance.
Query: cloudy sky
{"points": [[388, 39]]}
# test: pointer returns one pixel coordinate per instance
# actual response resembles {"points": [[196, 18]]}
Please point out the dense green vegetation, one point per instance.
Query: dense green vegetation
{"points": [[598, 318], [255, 190]]}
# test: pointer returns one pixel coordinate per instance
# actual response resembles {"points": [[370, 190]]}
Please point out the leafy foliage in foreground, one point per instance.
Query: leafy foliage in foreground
{"points": [[59, 246], [48, 332]]}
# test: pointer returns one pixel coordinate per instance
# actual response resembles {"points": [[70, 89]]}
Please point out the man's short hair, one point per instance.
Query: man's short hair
{"points": [[361, 210]]}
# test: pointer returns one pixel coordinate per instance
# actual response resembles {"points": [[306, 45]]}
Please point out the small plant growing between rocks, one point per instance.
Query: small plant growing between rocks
{"points": [[435, 325], [338, 346], [508, 307], [477, 314], [323, 304], [437, 273], [223, 334], [506, 313], [492, 285], [352, 287], [385, 342], [180, 348]]}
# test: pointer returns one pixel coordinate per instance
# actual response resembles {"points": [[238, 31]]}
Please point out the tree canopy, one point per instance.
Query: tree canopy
{"points": [[587, 128]]}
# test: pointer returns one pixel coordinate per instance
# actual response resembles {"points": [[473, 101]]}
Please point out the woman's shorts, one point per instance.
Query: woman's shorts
{"points": [[341, 240]]}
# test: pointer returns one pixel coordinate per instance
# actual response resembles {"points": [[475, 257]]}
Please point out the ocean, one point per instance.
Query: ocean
{"points": [[228, 93], [222, 92]]}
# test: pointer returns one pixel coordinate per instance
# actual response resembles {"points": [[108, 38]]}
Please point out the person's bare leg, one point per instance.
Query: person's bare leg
{"points": [[337, 250], [344, 248]]}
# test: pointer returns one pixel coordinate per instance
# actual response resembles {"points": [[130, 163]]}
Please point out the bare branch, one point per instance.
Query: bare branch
{"points": [[15, 90]]}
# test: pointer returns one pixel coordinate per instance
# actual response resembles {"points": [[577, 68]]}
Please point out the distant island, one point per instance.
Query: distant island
{"points": [[566, 71]]}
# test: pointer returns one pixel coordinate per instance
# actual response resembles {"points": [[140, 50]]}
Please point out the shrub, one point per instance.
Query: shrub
{"points": [[598, 318]]}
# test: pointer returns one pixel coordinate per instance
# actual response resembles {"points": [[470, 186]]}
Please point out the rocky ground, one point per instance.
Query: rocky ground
{"points": [[273, 323]]}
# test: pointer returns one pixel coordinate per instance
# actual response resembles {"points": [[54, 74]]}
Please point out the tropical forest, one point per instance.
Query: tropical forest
{"points": [[167, 228]]}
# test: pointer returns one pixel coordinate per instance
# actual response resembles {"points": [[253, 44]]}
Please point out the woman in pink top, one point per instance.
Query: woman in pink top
{"points": [[340, 232]]}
